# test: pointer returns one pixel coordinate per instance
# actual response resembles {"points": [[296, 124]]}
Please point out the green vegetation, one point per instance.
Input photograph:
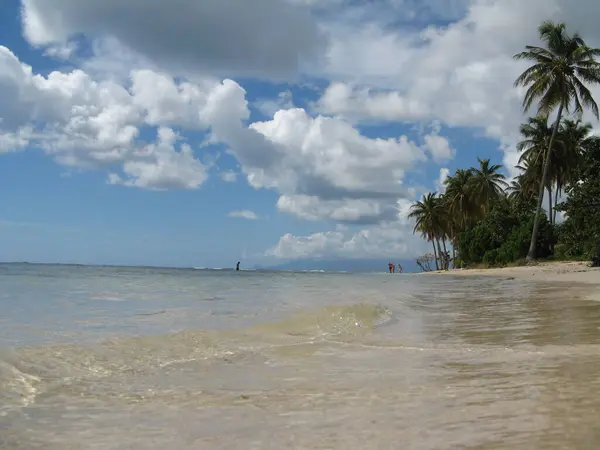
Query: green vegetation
{"points": [[485, 220]]}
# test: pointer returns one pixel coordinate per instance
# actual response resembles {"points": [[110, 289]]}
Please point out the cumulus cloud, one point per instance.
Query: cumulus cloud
{"points": [[159, 166], [373, 242], [244, 214], [461, 74], [440, 183], [267, 38], [390, 239], [439, 147], [322, 167], [93, 124]]}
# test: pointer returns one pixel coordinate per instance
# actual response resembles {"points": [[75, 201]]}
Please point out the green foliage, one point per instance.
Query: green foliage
{"points": [[503, 237], [579, 234]]}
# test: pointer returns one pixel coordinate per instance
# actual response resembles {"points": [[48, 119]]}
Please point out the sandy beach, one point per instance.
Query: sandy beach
{"points": [[568, 271]]}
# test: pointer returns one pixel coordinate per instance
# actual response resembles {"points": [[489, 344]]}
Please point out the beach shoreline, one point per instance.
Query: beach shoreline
{"points": [[565, 271], [569, 273]]}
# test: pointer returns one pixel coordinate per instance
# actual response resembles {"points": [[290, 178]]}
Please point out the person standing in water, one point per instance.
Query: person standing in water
{"points": [[399, 268], [237, 266]]}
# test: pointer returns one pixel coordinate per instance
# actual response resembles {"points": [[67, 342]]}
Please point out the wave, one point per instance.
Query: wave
{"points": [[28, 372]]}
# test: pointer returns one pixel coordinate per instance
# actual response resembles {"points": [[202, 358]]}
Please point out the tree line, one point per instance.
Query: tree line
{"points": [[485, 219]]}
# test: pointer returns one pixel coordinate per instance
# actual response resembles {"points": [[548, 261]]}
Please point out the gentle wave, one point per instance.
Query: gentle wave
{"points": [[27, 372]]}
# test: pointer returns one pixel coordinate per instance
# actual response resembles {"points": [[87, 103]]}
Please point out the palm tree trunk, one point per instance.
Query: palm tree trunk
{"points": [[550, 205], [437, 267], [453, 255], [437, 241], [536, 220], [556, 194], [445, 251]]}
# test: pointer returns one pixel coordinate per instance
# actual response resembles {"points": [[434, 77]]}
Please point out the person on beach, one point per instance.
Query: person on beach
{"points": [[399, 268], [390, 267], [237, 266]]}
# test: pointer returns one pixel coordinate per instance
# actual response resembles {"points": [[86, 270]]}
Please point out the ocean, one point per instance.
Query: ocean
{"points": [[151, 358]]}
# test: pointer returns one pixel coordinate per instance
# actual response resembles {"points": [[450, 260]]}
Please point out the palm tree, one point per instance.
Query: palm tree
{"points": [[450, 226], [487, 185], [458, 198], [576, 139], [557, 79], [427, 213], [523, 189], [537, 136]]}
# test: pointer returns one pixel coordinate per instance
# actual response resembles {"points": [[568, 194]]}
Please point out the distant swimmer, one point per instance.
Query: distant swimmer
{"points": [[237, 267]]}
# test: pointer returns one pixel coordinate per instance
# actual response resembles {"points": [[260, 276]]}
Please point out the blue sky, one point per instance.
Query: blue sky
{"points": [[356, 113]]}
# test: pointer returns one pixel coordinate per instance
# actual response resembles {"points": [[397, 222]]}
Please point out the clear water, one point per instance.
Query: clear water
{"points": [[132, 358]]}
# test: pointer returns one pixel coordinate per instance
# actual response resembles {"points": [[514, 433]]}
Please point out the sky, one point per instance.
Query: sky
{"points": [[200, 133]]}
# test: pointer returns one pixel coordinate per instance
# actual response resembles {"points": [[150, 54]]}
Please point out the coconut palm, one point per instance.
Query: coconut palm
{"points": [[576, 139], [428, 215], [523, 189], [537, 135], [557, 79], [458, 198], [487, 185]]}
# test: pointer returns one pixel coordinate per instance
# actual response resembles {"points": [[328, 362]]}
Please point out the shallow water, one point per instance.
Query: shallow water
{"points": [[131, 358]]}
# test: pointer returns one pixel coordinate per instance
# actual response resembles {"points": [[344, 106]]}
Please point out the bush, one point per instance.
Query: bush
{"points": [[503, 237], [580, 232]]}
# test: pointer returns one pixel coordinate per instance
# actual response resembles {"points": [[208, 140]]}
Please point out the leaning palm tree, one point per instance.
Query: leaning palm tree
{"points": [[557, 79], [427, 213], [487, 185]]}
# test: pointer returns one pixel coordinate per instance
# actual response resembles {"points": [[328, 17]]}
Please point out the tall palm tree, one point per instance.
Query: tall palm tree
{"points": [[450, 226], [576, 139], [459, 200], [428, 213], [537, 135], [557, 79], [487, 185]]}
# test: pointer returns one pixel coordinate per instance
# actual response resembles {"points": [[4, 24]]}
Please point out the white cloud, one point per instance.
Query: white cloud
{"points": [[440, 184], [229, 176], [439, 147], [461, 74], [269, 38], [93, 124], [322, 167], [269, 107], [64, 50], [391, 239], [10, 141], [244, 214], [159, 166], [166, 103], [372, 242]]}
